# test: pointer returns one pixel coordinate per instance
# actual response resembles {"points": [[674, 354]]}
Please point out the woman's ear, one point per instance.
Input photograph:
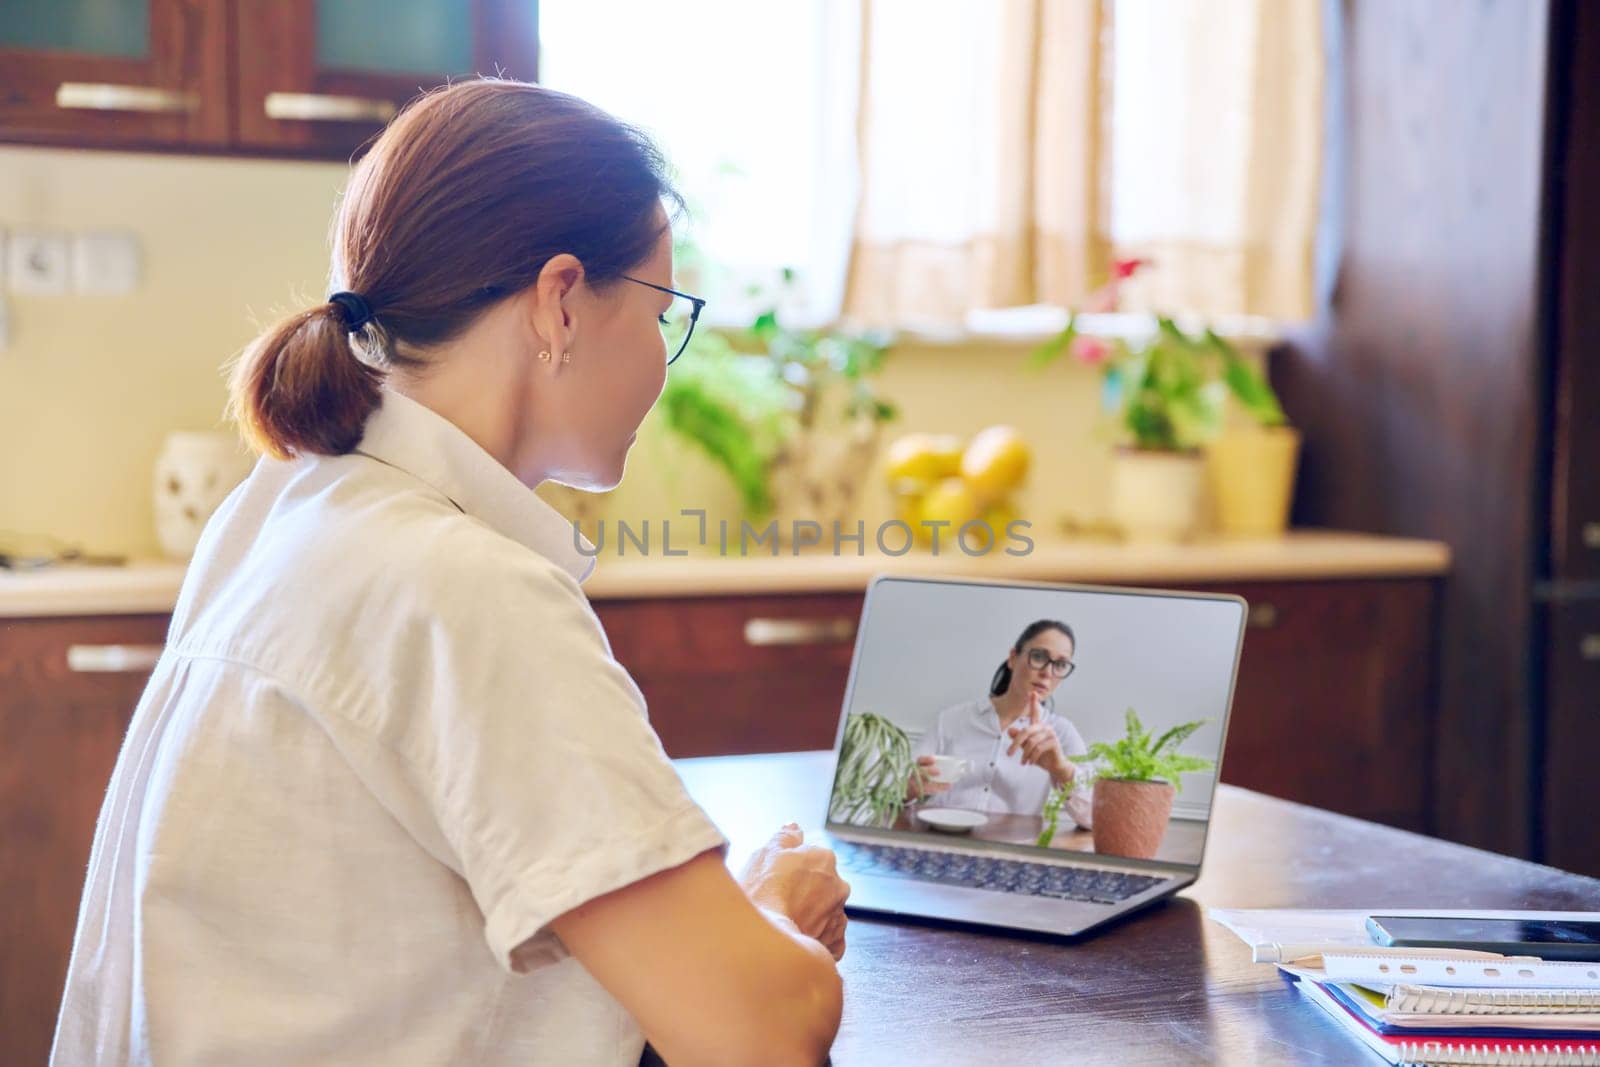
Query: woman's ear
{"points": [[554, 307]]}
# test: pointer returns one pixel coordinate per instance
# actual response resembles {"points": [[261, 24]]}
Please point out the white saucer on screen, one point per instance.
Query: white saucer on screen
{"points": [[952, 820]]}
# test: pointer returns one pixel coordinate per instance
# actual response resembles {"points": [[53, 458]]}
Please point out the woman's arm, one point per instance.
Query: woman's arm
{"points": [[709, 976]]}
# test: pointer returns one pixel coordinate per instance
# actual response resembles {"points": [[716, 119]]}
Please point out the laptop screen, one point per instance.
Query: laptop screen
{"points": [[1027, 715]]}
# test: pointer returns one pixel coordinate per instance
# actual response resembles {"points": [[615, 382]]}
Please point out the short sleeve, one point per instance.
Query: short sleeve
{"points": [[532, 751]]}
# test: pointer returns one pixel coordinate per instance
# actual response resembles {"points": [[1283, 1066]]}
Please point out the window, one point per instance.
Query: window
{"points": [[753, 104]]}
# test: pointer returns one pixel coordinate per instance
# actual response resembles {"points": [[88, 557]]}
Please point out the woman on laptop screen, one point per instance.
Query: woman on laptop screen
{"points": [[1016, 748]]}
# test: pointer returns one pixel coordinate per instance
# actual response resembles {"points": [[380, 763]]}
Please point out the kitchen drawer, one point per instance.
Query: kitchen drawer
{"points": [[724, 675], [68, 687]]}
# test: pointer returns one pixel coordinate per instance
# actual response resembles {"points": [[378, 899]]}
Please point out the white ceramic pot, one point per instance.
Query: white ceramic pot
{"points": [[194, 473], [1156, 496]]}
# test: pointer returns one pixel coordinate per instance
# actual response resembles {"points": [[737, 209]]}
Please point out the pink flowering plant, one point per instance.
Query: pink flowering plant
{"points": [[1167, 392]]}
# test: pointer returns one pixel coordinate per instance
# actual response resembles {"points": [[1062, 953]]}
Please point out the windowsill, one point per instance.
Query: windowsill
{"points": [[1028, 326]]}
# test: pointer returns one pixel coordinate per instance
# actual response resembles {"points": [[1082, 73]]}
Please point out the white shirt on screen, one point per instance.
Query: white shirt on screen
{"points": [[386, 745], [996, 782]]}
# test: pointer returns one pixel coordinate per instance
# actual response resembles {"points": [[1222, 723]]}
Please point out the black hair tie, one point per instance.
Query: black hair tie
{"points": [[353, 308]]}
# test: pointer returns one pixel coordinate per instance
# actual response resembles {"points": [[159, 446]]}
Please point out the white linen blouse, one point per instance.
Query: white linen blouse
{"points": [[385, 746]]}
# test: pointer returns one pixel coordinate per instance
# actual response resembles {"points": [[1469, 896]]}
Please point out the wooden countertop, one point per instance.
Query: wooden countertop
{"points": [[152, 587]]}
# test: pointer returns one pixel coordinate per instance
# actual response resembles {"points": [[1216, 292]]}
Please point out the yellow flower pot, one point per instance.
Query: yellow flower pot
{"points": [[1252, 479]]}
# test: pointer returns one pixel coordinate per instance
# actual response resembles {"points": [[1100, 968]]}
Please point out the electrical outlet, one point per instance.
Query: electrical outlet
{"points": [[38, 263], [105, 262]]}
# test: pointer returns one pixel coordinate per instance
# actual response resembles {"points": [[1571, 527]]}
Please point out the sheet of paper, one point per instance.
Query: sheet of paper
{"points": [[1282, 935]]}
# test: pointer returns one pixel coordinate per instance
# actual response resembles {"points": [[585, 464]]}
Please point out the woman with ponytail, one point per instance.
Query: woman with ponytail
{"points": [[388, 798], [1016, 747]]}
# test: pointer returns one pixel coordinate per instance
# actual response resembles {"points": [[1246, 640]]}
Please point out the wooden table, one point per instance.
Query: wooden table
{"points": [[1165, 986]]}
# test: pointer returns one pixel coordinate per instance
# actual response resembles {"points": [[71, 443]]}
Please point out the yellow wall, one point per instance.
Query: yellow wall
{"points": [[90, 385]]}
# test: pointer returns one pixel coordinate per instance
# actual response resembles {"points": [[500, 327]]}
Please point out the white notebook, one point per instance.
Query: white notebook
{"points": [[1439, 1000]]}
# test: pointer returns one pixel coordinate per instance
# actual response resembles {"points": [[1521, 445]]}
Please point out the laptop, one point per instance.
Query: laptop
{"points": [[939, 659]]}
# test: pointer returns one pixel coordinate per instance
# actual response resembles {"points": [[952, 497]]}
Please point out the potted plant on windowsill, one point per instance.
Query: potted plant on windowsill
{"points": [[1135, 781], [1166, 397]]}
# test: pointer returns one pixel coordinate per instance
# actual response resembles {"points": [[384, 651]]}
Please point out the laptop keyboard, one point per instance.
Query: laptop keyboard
{"points": [[992, 872]]}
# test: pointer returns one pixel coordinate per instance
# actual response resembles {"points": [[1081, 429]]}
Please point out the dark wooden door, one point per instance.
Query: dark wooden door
{"points": [[67, 690], [134, 74], [321, 77]]}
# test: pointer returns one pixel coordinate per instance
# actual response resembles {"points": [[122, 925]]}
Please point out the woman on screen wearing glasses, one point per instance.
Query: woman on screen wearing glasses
{"points": [[388, 798], [1015, 745]]}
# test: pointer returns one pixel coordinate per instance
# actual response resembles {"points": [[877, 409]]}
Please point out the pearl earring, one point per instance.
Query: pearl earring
{"points": [[544, 357], [566, 357]]}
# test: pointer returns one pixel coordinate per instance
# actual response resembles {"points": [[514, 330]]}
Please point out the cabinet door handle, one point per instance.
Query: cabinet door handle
{"points": [[95, 96], [1589, 647], [112, 659], [1262, 616], [798, 631], [324, 107]]}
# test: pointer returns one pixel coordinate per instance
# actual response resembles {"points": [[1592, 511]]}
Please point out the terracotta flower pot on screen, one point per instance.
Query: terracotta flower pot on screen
{"points": [[1130, 818]]}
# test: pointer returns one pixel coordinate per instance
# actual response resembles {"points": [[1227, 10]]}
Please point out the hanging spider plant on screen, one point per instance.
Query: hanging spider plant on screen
{"points": [[875, 764]]}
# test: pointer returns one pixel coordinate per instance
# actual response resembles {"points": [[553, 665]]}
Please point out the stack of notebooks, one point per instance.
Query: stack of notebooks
{"points": [[1408, 1024], [1431, 1007]]}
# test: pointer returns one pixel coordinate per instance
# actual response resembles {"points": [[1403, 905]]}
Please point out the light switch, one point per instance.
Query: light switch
{"points": [[38, 263], [105, 262]]}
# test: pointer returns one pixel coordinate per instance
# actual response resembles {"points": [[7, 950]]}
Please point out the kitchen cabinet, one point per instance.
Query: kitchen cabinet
{"points": [[68, 687], [306, 78], [1334, 704], [320, 77], [116, 73]]}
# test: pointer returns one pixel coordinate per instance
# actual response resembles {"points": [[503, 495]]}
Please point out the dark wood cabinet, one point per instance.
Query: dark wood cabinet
{"points": [[307, 78], [737, 674], [321, 77], [1335, 705], [142, 73], [68, 688]]}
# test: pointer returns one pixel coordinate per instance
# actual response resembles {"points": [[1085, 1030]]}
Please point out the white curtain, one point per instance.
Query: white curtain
{"points": [[1009, 150]]}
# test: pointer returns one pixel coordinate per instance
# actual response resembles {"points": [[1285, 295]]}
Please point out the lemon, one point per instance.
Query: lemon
{"points": [[908, 502], [950, 501], [995, 462], [923, 457]]}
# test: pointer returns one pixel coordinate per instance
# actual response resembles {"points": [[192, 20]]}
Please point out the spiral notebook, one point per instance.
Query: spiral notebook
{"points": [[1454, 1049], [1438, 1000]]}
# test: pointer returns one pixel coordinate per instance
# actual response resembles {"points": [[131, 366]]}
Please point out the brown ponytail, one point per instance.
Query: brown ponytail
{"points": [[462, 200], [300, 388]]}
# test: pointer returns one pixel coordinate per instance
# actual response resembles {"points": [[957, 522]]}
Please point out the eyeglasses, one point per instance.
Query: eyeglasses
{"points": [[1038, 659], [677, 322]]}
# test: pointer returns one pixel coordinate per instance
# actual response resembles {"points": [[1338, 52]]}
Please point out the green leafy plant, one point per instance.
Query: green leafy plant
{"points": [[743, 407], [732, 407], [1167, 392], [809, 359], [1136, 757], [875, 765]]}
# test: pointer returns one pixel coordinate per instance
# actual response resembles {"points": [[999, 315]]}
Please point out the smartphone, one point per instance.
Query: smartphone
{"points": [[1548, 939]]}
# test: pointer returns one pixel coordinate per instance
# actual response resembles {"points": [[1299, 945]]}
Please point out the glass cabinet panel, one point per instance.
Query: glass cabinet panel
{"points": [[119, 28], [395, 36]]}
